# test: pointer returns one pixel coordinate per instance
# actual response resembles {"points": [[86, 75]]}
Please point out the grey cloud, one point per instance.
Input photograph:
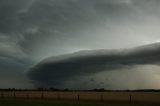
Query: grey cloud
{"points": [[31, 30], [13, 74], [55, 71], [63, 16], [62, 23]]}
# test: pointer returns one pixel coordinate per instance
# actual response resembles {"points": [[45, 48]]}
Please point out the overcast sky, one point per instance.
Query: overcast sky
{"points": [[33, 30]]}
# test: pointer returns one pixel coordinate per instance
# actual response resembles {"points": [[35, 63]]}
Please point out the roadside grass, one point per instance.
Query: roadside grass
{"points": [[38, 102]]}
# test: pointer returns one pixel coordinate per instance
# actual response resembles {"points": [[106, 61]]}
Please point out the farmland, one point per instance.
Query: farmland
{"points": [[38, 102], [125, 97]]}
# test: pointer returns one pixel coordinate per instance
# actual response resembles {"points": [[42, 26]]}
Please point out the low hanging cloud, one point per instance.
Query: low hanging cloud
{"points": [[31, 30], [55, 71]]}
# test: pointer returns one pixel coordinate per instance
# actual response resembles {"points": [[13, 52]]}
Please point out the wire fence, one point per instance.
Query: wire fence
{"points": [[79, 96]]}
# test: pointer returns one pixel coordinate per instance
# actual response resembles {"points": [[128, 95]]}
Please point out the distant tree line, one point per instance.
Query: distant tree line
{"points": [[70, 90]]}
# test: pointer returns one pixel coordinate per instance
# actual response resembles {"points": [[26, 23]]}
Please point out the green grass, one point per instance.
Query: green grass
{"points": [[34, 102]]}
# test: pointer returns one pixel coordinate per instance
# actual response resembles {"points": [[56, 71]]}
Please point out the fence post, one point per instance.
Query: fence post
{"points": [[2, 95], [42, 96], [27, 95], [101, 98], [14, 94], [130, 98], [78, 97], [58, 96]]}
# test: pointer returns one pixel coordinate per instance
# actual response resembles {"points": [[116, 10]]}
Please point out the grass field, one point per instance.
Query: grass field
{"points": [[45, 98], [153, 97], [36, 102]]}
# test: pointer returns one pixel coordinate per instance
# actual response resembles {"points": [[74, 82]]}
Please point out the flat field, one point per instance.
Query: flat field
{"points": [[38, 102], [99, 97]]}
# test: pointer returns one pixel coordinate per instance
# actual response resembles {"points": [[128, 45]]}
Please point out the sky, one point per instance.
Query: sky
{"points": [[38, 37]]}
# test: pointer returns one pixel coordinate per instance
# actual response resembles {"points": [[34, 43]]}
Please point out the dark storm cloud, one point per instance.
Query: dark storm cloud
{"points": [[31, 30], [34, 21], [12, 74], [55, 71], [24, 25]]}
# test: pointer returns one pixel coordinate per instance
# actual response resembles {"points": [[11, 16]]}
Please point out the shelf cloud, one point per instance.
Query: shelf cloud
{"points": [[77, 39], [56, 70]]}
